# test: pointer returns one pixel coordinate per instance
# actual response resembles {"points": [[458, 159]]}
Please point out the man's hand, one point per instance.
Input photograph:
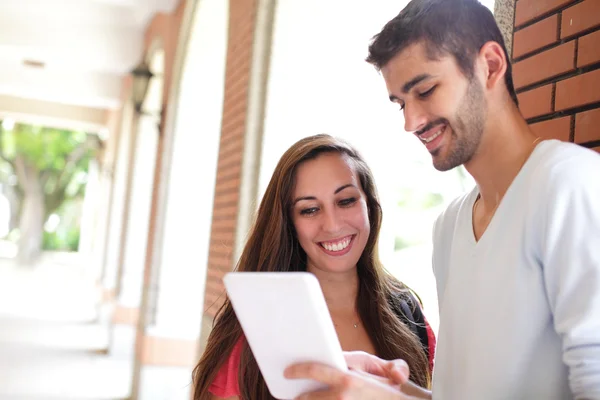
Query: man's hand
{"points": [[395, 371], [348, 385], [356, 383]]}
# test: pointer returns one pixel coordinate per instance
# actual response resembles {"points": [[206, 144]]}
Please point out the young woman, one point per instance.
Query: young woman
{"points": [[320, 214]]}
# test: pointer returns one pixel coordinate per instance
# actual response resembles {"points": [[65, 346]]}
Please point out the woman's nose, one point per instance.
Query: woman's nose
{"points": [[330, 221]]}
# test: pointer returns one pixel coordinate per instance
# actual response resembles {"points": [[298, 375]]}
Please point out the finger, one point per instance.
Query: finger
{"points": [[321, 373], [393, 378], [411, 389], [398, 371], [361, 361]]}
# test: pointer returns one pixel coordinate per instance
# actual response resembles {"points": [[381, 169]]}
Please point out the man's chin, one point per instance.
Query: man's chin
{"points": [[442, 164], [443, 168]]}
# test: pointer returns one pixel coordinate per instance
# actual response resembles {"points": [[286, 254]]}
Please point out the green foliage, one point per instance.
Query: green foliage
{"points": [[419, 200], [50, 241], [415, 204], [58, 157], [45, 148], [401, 243], [57, 161], [62, 241]]}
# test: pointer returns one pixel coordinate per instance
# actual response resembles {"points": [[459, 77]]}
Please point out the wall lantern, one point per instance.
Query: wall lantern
{"points": [[141, 80]]}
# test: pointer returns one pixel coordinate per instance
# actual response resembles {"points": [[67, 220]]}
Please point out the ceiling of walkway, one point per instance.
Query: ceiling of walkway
{"points": [[71, 52]]}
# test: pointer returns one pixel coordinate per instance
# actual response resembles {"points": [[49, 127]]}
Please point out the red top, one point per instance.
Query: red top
{"points": [[226, 382], [430, 343]]}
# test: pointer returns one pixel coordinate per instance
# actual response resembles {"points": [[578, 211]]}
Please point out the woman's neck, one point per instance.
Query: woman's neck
{"points": [[340, 289]]}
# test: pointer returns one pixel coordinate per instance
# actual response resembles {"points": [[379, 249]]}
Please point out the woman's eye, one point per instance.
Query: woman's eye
{"points": [[427, 93], [347, 202], [309, 211]]}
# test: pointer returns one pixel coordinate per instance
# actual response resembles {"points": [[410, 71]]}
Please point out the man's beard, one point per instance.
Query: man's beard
{"points": [[469, 122]]}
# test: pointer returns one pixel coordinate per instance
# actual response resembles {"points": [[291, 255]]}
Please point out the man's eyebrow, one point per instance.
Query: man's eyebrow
{"points": [[411, 84]]}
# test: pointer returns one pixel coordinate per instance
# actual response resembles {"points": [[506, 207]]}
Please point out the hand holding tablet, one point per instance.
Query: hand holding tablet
{"points": [[286, 321]]}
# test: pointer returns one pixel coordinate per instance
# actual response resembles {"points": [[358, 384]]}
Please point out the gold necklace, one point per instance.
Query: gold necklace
{"points": [[498, 198]]}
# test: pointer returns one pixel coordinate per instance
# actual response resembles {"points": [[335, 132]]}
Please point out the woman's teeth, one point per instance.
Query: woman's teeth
{"points": [[432, 137], [336, 246]]}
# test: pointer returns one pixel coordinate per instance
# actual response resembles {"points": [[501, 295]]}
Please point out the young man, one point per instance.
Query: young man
{"points": [[516, 260]]}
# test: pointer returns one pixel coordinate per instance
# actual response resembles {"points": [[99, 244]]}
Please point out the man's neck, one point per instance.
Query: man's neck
{"points": [[505, 147], [340, 289]]}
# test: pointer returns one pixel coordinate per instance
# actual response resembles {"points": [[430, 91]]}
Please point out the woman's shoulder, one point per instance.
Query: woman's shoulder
{"points": [[401, 296], [408, 307]]}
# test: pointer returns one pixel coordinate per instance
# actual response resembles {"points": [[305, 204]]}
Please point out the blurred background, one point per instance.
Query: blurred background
{"points": [[136, 140]]}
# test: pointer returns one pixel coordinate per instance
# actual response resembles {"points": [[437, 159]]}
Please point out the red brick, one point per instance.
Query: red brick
{"points": [[214, 288], [229, 172], [224, 224], [242, 17], [548, 64], [216, 274], [535, 36], [587, 126], [213, 299], [228, 199], [228, 160], [559, 128], [527, 10], [536, 102], [222, 235], [578, 91], [230, 211], [589, 49], [580, 17], [219, 247], [227, 186]]}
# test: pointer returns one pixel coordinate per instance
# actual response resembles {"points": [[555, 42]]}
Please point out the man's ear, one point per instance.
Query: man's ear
{"points": [[493, 61]]}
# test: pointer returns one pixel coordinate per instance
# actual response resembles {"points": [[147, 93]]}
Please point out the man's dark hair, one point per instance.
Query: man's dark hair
{"points": [[456, 27]]}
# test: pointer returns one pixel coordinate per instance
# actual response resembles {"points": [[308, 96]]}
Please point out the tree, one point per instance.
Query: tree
{"points": [[46, 162]]}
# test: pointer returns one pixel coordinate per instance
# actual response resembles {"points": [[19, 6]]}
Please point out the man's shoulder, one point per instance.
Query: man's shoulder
{"points": [[555, 152], [450, 213], [565, 164]]}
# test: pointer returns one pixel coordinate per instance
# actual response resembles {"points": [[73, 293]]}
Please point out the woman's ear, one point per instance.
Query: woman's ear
{"points": [[493, 61]]}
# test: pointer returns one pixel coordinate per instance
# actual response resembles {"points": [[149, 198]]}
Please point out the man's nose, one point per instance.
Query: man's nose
{"points": [[414, 117]]}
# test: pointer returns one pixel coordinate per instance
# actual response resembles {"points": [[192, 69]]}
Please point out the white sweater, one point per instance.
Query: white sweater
{"points": [[520, 309]]}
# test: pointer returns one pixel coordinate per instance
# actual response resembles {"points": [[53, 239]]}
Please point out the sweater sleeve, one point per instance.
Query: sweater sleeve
{"points": [[226, 382], [570, 259]]}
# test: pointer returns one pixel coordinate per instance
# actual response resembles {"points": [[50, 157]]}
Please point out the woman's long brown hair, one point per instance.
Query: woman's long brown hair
{"points": [[273, 247]]}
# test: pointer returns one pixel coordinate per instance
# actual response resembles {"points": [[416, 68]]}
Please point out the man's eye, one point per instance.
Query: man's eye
{"points": [[427, 93]]}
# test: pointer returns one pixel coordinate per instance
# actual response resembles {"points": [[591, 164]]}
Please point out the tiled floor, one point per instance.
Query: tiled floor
{"points": [[51, 342]]}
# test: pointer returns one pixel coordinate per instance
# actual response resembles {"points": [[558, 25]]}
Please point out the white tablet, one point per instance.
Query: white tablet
{"points": [[286, 321]]}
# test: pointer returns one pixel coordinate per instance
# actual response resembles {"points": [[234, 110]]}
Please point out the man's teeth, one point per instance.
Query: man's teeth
{"points": [[336, 246], [432, 137]]}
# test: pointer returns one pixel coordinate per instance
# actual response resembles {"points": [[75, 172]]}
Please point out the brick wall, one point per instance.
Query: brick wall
{"points": [[556, 55], [242, 16]]}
